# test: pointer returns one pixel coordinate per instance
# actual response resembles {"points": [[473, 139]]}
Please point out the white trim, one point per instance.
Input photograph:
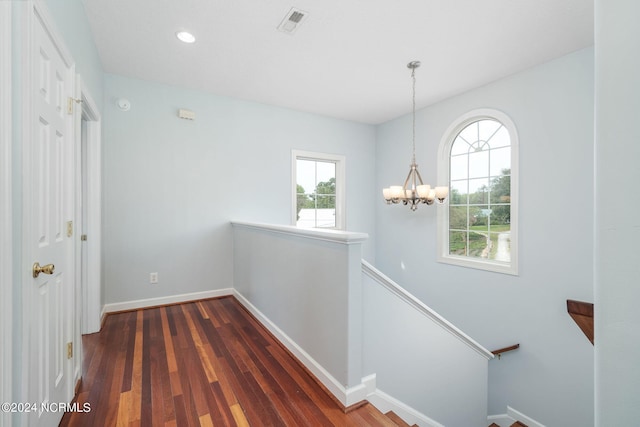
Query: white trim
{"points": [[443, 176], [91, 297], [171, 299], [330, 235], [418, 305], [341, 185], [103, 314], [6, 219], [512, 415], [27, 35], [346, 396], [385, 403], [519, 416]]}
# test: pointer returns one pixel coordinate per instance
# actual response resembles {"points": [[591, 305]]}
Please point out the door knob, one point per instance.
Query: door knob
{"points": [[46, 269]]}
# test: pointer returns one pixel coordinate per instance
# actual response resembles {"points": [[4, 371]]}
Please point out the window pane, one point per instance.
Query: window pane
{"points": [[458, 217], [459, 167], [306, 175], [458, 191], [501, 246], [478, 245], [478, 164], [481, 195], [325, 201], [500, 217], [500, 160], [479, 218], [501, 138], [478, 189], [460, 146], [326, 171], [501, 188], [469, 133], [458, 242], [487, 129]]}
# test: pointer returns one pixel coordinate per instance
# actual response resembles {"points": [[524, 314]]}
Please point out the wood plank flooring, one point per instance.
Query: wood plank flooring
{"points": [[206, 363]]}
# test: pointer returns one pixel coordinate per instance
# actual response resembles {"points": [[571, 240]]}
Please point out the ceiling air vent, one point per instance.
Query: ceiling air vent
{"points": [[292, 20]]}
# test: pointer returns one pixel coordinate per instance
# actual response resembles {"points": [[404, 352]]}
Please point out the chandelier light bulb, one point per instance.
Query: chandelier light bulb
{"points": [[186, 37]]}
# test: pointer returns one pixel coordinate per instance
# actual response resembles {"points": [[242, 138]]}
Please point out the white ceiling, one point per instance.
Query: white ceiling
{"points": [[347, 59]]}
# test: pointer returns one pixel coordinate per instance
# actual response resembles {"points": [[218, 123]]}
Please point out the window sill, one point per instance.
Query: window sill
{"points": [[481, 264]]}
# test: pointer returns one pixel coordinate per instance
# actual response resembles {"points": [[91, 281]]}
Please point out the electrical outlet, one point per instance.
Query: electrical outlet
{"points": [[153, 278]]}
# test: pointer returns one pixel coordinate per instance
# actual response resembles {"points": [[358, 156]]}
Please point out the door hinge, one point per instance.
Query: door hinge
{"points": [[83, 237], [69, 350], [69, 228], [70, 102]]}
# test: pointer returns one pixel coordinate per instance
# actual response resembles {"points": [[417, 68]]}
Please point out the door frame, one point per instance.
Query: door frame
{"points": [[32, 10], [90, 306], [6, 207]]}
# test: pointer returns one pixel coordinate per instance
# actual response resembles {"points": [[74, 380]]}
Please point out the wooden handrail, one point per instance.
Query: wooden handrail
{"points": [[499, 351], [582, 313]]}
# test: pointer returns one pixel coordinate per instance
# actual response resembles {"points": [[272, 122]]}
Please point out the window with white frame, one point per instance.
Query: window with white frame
{"points": [[318, 190], [479, 159]]}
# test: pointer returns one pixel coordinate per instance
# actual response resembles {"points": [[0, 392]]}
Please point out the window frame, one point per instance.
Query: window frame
{"points": [[339, 161], [444, 158]]}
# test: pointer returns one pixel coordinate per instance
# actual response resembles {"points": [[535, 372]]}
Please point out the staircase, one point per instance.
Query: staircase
{"points": [[397, 421], [370, 416], [516, 424]]}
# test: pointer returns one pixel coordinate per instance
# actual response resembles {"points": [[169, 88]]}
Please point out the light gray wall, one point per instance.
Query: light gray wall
{"points": [[617, 260], [551, 377], [310, 287], [171, 186], [419, 361]]}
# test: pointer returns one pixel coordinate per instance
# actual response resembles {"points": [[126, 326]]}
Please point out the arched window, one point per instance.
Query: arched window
{"points": [[479, 159]]}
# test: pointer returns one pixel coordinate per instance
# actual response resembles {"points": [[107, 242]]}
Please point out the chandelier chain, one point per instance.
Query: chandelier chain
{"points": [[413, 76]]}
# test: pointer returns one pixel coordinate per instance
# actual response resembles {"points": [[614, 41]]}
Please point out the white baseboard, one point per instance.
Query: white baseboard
{"points": [[385, 403], [172, 299], [512, 415], [346, 396], [103, 314]]}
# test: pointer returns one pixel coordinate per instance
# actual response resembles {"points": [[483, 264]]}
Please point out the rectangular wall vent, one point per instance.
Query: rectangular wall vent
{"points": [[292, 20]]}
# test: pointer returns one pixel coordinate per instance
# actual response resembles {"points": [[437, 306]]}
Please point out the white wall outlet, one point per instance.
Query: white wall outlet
{"points": [[153, 278]]}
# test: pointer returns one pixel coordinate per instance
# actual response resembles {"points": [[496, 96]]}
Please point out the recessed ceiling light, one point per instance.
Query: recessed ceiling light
{"points": [[185, 36]]}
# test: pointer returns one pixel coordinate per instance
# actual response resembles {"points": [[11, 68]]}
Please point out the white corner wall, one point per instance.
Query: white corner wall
{"points": [[305, 285], [420, 358], [550, 378], [617, 258]]}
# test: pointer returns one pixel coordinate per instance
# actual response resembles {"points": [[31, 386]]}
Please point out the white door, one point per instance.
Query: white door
{"points": [[48, 230]]}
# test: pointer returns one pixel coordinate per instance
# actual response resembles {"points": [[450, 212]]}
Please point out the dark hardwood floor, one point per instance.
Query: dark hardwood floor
{"points": [[206, 363]]}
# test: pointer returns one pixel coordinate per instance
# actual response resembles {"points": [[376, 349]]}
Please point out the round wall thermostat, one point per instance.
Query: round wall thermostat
{"points": [[124, 104]]}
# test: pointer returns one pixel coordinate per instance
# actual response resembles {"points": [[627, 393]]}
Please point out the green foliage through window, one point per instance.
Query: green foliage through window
{"points": [[480, 192], [316, 204]]}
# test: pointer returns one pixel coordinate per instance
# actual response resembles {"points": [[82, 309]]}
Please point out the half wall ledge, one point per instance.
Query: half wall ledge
{"points": [[337, 236]]}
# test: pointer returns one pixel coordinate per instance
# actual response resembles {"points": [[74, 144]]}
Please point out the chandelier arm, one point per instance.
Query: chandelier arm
{"points": [[419, 177]]}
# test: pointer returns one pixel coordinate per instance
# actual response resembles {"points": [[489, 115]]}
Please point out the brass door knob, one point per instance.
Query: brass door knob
{"points": [[46, 269]]}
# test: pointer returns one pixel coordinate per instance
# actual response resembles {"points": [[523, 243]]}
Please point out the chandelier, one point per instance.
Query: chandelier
{"points": [[414, 191]]}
